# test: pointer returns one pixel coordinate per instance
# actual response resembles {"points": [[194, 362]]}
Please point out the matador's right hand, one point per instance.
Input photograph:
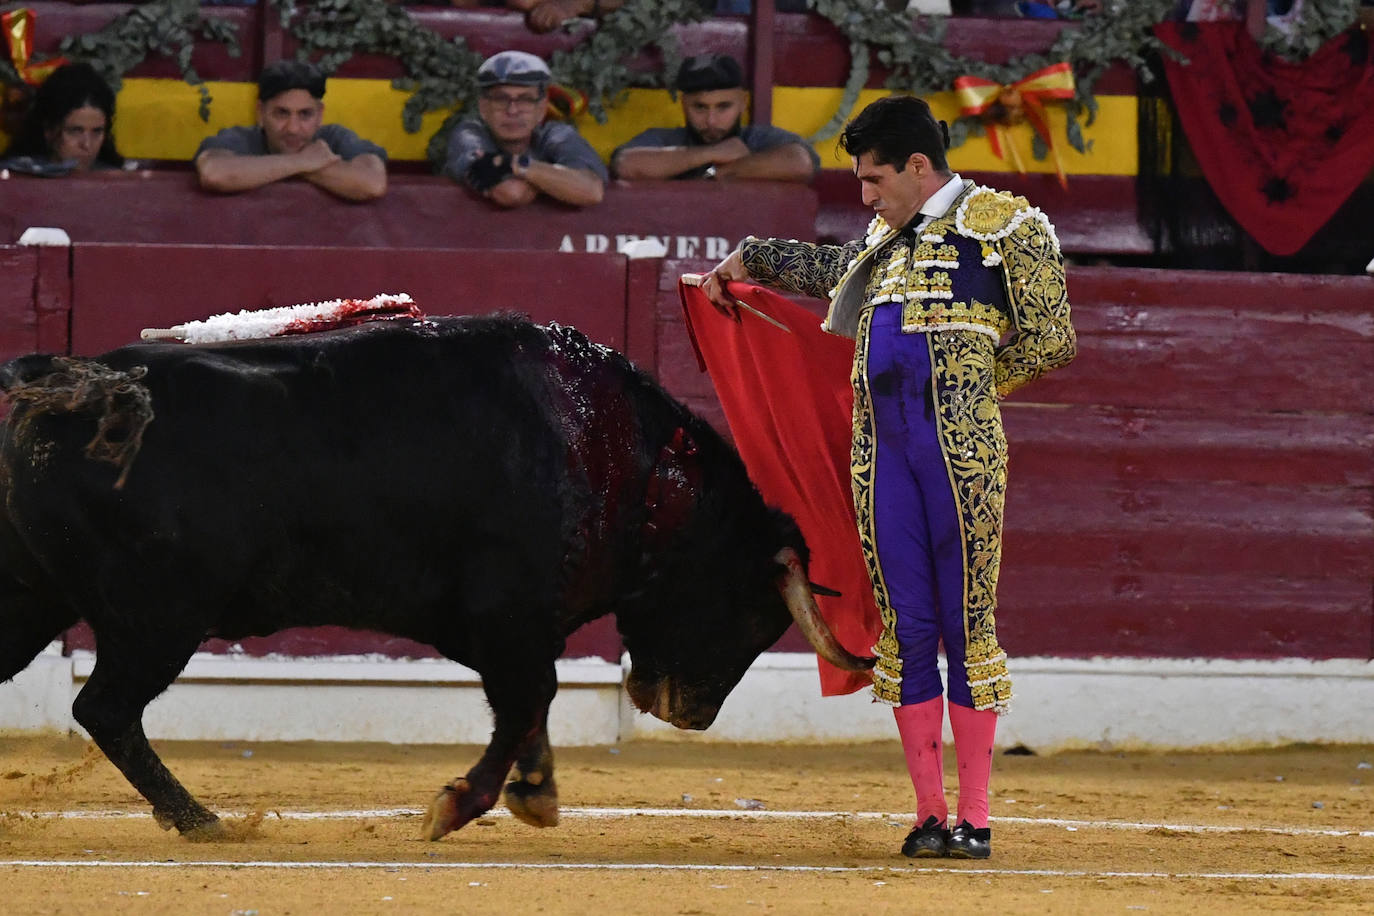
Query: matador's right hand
{"points": [[714, 285]]}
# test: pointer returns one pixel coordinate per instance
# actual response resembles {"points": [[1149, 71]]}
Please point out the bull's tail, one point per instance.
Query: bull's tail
{"points": [[121, 405]]}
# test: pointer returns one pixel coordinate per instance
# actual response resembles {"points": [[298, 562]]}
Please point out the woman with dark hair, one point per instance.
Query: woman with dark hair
{"points": [[68, 126]]}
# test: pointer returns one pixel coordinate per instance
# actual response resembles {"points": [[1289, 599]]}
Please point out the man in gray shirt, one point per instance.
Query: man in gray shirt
{"points": [[508, 153], [290, 141], [714, 144]]}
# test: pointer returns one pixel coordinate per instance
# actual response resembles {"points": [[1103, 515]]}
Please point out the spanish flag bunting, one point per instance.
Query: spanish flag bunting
{"points": [[18, 28], [1026, 96]]}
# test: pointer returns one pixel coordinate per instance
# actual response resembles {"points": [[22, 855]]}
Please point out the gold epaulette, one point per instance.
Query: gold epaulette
{"points": [[987, 214]]}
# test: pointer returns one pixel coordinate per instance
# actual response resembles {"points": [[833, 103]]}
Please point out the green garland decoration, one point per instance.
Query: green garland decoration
{"points": [[1317, 22], [168, 28], [441, 75]]}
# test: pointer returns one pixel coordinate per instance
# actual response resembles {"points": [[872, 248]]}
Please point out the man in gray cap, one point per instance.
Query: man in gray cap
{"points": [[508, 154], [713, 144]]}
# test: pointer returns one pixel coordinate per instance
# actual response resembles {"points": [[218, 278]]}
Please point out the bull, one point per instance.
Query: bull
{"points": [[481, 485]]}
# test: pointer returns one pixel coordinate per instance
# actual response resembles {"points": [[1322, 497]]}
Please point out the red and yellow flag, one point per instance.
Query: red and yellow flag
{"points": [[1003, 106], [18, 28]]}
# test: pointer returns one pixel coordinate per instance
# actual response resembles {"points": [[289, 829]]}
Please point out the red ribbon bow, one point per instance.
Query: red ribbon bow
{"points": [[1004, 105], [18, 27]]}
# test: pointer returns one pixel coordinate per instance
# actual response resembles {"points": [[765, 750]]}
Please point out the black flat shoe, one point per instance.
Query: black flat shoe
{"points": [[969, 842], [926, 841]]}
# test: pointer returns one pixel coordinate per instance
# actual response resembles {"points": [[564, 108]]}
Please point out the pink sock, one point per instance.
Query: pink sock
{"points": [[920, 725], [973, 733]]}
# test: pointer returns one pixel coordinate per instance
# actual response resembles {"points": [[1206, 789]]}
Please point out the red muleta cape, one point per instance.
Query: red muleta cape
{"points": [[788, 400]]}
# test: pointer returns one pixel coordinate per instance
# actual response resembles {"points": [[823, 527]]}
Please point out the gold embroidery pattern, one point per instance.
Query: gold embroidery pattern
{"points": [[988, 214], [887, 673], [798, 267], [928, 254], [969, 423], [918, 315], [888, 282], [1034, 273]]}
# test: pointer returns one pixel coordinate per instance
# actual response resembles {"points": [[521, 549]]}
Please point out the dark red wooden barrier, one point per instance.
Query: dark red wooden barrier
{"points": [[693, 219], [124, 288], [1197, 484]]}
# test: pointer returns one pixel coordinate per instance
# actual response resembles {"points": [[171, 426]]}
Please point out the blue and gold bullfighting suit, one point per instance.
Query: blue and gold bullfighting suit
{"points": [[949, 315]]}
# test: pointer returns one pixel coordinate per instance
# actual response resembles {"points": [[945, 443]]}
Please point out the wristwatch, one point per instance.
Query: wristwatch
{"points": [[522, 163]]}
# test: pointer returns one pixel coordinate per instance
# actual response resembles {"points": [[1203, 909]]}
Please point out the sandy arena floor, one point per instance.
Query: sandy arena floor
{"points": [[728, 829]]}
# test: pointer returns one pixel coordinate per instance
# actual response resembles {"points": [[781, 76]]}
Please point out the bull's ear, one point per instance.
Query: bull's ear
{"points": [[818, 589]]}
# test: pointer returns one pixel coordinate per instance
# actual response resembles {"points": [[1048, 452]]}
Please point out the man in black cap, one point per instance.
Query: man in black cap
{"points": [[714, 144], [291, 141], [508, 153]]}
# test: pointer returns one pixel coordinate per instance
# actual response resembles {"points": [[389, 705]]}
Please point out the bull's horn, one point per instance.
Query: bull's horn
{"points": [[796, 591]]}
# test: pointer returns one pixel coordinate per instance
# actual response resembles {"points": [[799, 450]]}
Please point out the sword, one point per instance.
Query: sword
{"points": [[699, 279]]}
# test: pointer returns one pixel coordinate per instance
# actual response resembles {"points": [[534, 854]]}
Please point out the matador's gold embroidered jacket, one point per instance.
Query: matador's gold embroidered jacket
{"points": [[985, 284], [1016, 240]]}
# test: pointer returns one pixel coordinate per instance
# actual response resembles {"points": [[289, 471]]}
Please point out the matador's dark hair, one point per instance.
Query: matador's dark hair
{"points": [[893, 128]]}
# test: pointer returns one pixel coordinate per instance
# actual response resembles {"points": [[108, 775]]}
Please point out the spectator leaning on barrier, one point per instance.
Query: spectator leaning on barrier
{"points": [[713, 144], [67, 129], [508, 153], [290, 141]]}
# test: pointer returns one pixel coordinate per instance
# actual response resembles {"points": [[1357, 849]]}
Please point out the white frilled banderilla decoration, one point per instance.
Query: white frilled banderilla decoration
{"points": [[289, 319]]}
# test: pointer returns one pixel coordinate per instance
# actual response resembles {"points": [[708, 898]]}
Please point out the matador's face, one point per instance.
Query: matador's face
{"points": [[894, 195]]}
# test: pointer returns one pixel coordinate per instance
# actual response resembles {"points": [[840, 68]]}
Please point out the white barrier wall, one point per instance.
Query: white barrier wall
{"points": [[1060, 703]]}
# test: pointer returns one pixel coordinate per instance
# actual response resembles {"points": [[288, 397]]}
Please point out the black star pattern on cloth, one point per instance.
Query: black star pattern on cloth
{"points": [[1277, 190], [1333, 133], [1189, 32], [1268, 110], [1227, 114]]}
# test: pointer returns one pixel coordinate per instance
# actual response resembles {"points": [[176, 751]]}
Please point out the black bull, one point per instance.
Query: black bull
{"points": [[483, 485]]}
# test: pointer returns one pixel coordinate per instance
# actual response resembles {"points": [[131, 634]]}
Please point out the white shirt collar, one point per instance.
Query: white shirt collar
{"points": [[938, 204]]}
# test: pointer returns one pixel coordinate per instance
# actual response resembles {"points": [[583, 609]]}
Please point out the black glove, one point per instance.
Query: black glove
{"points": [[486, 172]]}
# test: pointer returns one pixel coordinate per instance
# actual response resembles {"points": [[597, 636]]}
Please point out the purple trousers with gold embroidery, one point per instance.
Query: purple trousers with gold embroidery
{"points": [[917, 532]]}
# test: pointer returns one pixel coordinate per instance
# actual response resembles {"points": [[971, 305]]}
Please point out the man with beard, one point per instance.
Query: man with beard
{"points": [[508, 153], [291, 141], [714, 145]]}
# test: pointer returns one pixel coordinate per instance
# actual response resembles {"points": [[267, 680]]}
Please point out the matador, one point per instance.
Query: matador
{"points": [[955, 298]]}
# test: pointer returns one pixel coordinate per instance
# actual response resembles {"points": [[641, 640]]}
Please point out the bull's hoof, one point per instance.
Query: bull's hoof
{"points": [[442, 816], [211, 831], [194, 823], [536, 805]]}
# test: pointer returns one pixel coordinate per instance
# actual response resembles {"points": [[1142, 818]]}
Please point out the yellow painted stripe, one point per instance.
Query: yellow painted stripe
{"points": [[157, 119]]}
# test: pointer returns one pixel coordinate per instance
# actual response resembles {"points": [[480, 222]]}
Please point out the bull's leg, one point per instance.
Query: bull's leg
{"points": [[533, 795], [27, 625], [126, 678], [519, 698]]}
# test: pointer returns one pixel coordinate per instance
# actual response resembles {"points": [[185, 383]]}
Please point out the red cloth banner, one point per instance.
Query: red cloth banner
{"points": [[788, 400], [1282, 144]]}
